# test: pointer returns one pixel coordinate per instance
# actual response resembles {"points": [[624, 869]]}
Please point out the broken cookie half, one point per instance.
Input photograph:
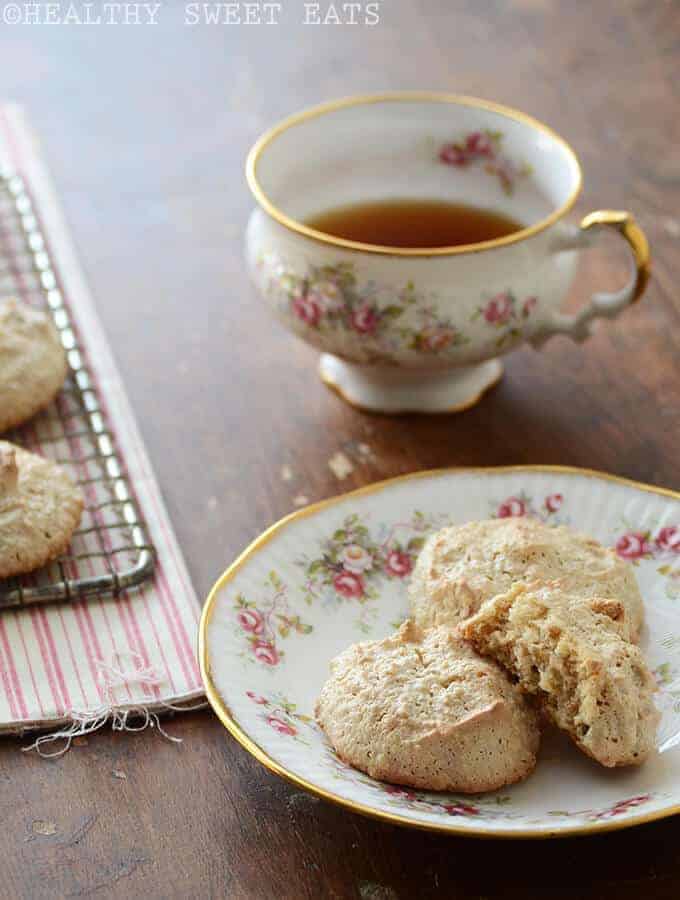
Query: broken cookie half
{"points": [[572, 654]]}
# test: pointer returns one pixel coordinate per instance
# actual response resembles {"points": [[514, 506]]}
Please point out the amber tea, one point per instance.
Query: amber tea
{"points": [[414, 223]]}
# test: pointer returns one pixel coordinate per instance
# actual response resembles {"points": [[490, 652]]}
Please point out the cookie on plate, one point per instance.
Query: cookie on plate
{"points": [[573, 655], [40, 508], [428, 713], [462, 566], [32, 362]]}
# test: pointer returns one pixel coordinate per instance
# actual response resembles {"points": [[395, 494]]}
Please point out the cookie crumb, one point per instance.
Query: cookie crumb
{"points": [[359, 451], [370, 890], [672, 227], [44, 828], [300, 500], [286, 473], [340, 465], [118, 773]]}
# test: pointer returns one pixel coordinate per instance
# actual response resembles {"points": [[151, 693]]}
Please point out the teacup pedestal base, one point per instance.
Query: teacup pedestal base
{"points": [[389, 389]]}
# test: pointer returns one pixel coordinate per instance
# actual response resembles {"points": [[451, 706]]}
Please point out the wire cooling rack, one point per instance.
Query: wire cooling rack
{"points": [[110, 552]]}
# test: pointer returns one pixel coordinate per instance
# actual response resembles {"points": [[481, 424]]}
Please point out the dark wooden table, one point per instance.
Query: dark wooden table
{"points": [[146, 129]]}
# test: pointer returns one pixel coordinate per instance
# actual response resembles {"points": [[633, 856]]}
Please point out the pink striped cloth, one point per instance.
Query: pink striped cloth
{"points": [[96, 659]]}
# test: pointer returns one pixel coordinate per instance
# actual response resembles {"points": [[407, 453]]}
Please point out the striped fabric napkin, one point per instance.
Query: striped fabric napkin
{"points": [[84, 665]]}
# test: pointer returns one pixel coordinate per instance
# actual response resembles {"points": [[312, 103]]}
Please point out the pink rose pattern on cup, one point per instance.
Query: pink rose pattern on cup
{"points": [[265, 622], [547, 508], [499, 309], [485, 148], [329, 300], [507, 314], [307, 309], [353, 562], [365, 319]]}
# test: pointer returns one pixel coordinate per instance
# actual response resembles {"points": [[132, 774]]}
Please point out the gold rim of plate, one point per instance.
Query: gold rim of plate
{"points": [[400, 97], [224, 714]]}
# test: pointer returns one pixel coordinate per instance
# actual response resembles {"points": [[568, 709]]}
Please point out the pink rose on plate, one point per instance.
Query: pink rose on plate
{"points": [[632, 545], [257, 698], [266, 652], [461, 809], [668, 539], [453, 155], [349, 584], [356, 559], [478, 144], [251, 620], [499, 309], [398, 563], [528, 306], [280, 725], [306, 308], [622, 806], [327, 295], [513, 506], [364, 319], [553, 502], [400, 792]]}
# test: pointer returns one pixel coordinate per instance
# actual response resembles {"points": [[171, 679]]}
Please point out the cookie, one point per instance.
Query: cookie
{"points": [[40, 508], [462, 566], [33, 362], [428, 713], [572, 653]]}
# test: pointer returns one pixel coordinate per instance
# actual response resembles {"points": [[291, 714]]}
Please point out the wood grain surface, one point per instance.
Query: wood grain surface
{"points": [[146, 129]]}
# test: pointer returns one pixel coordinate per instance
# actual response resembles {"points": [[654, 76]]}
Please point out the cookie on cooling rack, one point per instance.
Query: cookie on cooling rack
{"points": [[428, 713], [462, 566], [32, 362], [40, 508]]}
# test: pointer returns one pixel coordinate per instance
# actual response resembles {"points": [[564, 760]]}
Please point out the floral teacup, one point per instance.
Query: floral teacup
{"points": [[421, 329]]}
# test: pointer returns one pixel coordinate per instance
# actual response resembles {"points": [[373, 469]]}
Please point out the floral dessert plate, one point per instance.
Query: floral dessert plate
{"points": [[337, 572]]}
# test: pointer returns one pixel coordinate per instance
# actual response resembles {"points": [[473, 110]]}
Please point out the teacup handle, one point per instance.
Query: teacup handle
{"points": [[606, 305]]}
